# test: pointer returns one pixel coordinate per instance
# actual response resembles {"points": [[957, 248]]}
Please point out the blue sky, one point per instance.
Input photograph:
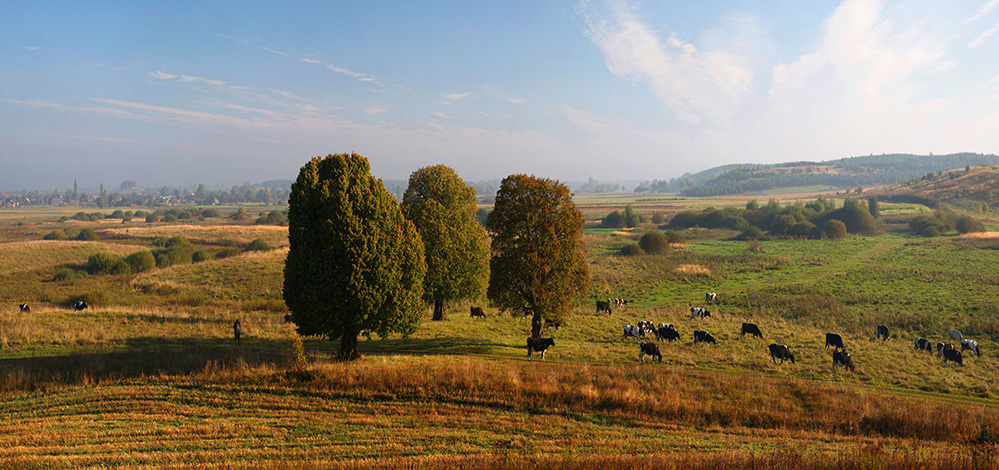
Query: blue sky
{"points": [[222, 93]]}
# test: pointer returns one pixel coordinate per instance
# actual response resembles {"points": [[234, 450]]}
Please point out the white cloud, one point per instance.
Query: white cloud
{"points": [[453, 97], [190, 79], [374, 109], [288, 94], [980, 40], [441, 115], [162, 75], [32, 48], [311, 60], [989, 6]]}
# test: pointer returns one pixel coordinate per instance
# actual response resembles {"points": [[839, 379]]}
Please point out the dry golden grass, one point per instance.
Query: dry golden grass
{"points": [[249, 276], [695, 269], [979, 236], [40, 254], [208, 234]]}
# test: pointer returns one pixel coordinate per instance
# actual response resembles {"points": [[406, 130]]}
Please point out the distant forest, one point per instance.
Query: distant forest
{"points": [[843, 173]]}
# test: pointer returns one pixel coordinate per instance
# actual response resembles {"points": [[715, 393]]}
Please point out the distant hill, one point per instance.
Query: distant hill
{"points": [[974, 189], [844, 173]]}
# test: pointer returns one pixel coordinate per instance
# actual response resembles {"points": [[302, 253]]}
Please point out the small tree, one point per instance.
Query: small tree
{"points": [[967, 224], [613, 220], [443, 209], [873, 207], [355, 264], [141, 261], [654, 242], [631, 218], [538, 255], [834, 229]]}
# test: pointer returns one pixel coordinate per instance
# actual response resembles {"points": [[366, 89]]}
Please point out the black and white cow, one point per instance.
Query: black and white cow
{"points": [[620, 302], [699, 312], [668, 332], [941, 347], [923, 345], [645, 327], [540, 345], [703, 337], [954, 334], [25, 308], [711, 297], [842, 358], [971, 345], [834, 340], [883, 333], [651, 349], [752, 329], [953, 355], [632, 331], [80, 305], [780, 351]]}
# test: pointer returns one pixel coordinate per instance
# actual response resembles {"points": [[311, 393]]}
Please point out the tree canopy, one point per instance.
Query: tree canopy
{"points": [[355, 265], [443, 209], [538, 255]]}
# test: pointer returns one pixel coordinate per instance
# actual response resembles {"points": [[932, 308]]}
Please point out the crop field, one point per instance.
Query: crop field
{"points": [[150, 376]]}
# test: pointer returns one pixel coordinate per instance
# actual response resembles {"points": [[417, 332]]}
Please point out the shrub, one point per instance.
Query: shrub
{"points": [[199, 256], [159, 241], [169, 218], [92, 298], [967, 224], [228, 252], [259, 245], [632, 249], [685, 219], [140, 214], [802, 229], [751, 233], [631, 219], [928, 226], [71, 232], [68, 275], [87, 234], [210, 213], [118, 214], [613, 220], [675, 238], [658, 218], [141, 261], [163, 260], [107, 263], [182, 215], [654, 242], [152, 218], [56, 234], [834, 229], [176, 241]]}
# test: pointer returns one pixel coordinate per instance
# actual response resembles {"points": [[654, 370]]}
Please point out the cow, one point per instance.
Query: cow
{"points": [[667, 332], [834, 340], [752, 329], [476, 312], [842, 358], [883, 333], [703, 337], [236, 331], [971, 345], [603, 307], [25, 308], [645, 327], [954, 334], [540, 345], [620, 302], [711, 297], [287, 318], [780, 351], [651, 349], [941, 347], [631, 331], [80, 305], [922, 344], [553, 324], [699, 312], [953, 355]]}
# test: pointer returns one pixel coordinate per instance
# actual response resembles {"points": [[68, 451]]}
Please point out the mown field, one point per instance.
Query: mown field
{"points": [[150, 377]]}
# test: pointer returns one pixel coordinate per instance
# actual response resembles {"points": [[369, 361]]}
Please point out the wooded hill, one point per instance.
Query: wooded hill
{"points": [[974, 189], [843, 173]]}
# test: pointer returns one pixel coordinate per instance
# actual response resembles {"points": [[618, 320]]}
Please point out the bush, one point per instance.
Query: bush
{"points": [[802, 229], [675, 238], [834, 229], [658, 218], [159, 241], [654, 242], [632, 249], [68, 275], [169, 218], [631, 219], [140, 214], [210, 213], [929, 226], [141, 261], [967, 224], [107, 263], [199, 256], [92, 298], [118, 214], [55, 235], [87, 234], [751, 233], [176, 241], [71, 232], [259, 245], [163, 260], [613, 220], [228, 252], [152, 218]]}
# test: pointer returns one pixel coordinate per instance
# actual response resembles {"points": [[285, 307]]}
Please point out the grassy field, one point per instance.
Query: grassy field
{"points": [[150, 377]]}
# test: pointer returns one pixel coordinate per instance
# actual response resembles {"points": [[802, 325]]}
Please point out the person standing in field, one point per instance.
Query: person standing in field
{"points": [[236, 330]]}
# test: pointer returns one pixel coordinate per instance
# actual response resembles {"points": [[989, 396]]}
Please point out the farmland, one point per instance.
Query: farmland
{"points": [[149, 376]]}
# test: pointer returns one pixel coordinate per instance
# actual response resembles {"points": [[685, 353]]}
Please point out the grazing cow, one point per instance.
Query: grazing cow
{"points": [[941, 347], [954, 334], [703, 337], [553, 324], [883, 333], [25, 308], [645, 327], [699, 312], [834, 340], [603, 307], [80, 305], [540, 345], [667, 332], [752, 329], [780, 351], [620, 302], [631, 331], [236, 331], [287, 318], [843, 358], [953, 355], [711, 297], [971, 345], [651, 349], [924, 345], [477, 312]]}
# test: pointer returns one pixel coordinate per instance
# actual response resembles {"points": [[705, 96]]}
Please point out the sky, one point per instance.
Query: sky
{"points": [[177, 93]]}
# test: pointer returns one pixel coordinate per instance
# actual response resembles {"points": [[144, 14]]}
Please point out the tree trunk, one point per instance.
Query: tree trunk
{"points": [[348, 348], [439, 313], [536, 324]]}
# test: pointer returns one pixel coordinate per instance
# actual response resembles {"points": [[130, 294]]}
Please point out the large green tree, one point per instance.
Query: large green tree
{"points": [[443, 209], [538, 255], [355, 265]]}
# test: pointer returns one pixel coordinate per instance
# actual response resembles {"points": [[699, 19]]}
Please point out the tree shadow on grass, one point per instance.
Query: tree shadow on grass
{"points": [[436, 346]]}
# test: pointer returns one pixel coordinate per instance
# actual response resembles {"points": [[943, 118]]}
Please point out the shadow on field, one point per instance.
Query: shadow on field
{"points": [[146, 356], [435, 346], [145, 317]]}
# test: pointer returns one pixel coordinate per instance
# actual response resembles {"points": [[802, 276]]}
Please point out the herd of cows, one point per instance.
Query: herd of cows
{"points": [[668, 332]]}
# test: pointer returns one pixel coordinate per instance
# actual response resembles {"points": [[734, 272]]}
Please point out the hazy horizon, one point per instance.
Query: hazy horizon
{"points": [[181, 93]]}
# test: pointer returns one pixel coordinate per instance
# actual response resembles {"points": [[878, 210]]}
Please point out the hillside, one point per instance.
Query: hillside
{"points": [[974, 189], [845, 173]]}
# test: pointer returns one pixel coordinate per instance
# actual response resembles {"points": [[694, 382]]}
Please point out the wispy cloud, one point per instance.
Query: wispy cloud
{"points": [[190, 79], [311, 60], [374, 109], [980, 40], [441, 115], [248, 43], [989, 6], [86, 109], [32, 48], [453, 97], [288, 94], [162, 75]]}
